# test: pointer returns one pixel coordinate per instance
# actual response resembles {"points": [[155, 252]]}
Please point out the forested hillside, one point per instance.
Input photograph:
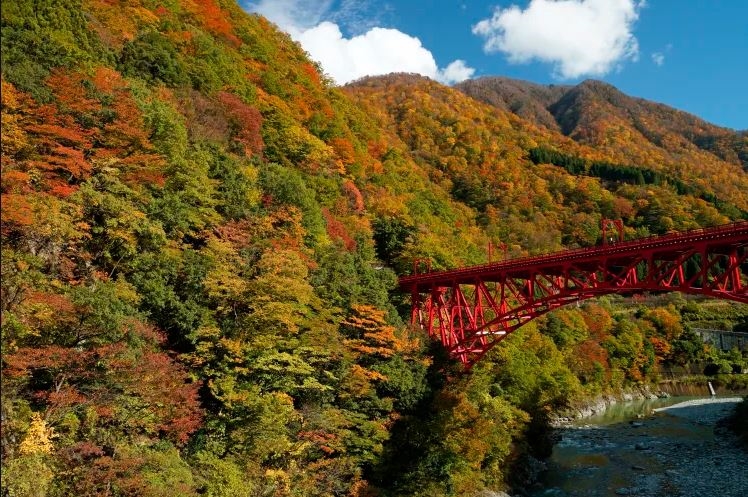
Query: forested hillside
{"points": [[627, 129], [200, 242]]}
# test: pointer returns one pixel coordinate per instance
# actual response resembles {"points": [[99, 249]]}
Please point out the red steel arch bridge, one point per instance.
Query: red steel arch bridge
{"points": [[471, 309]]}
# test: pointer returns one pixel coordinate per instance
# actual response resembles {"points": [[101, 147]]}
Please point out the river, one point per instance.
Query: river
{"points": [[656, 448]]}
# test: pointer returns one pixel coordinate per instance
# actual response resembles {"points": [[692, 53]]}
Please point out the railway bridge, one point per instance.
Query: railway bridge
{"points": [[471, 309]]}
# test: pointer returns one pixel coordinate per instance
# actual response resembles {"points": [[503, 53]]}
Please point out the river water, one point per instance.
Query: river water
{"points": [[655, 448]]}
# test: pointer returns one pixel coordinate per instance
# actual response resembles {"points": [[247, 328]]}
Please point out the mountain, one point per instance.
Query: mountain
{"points": [[598, 114], [493, 160], [528, 100], [201, 238]]}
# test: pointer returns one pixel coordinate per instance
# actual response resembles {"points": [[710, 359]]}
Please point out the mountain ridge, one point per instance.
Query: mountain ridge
{"points": [[562, 107]]}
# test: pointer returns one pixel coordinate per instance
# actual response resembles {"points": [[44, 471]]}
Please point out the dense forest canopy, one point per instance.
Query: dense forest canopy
{"points": [[200, 243]]}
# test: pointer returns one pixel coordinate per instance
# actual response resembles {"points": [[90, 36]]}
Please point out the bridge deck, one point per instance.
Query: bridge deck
{"points": [[728, 235]]}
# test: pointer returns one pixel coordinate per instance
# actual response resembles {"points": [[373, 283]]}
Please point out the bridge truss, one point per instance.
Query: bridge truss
{"points": [[471, 309]]}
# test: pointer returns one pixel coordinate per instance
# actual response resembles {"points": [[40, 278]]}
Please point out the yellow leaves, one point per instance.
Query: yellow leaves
{"points": [[282, 279], [224, 282], [226, 390], [307, 147], [38, 439], [281, 480], [366, 317], [206, 338], [116, 26], [14, 138], [373, 336], [234, 349], [358, 382], [12, 135], [126, 292]]}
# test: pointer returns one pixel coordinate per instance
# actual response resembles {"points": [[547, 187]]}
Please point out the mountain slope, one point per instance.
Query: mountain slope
{"points": [[596, 113], [526, 99], [485, 158], [200, 244]]}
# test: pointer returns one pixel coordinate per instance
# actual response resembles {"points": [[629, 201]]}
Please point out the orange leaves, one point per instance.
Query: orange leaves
{"points": [[667, 321], [355, 199], [14, 181], [661, 347], [357, 382], [598, 321], [58, 142], [91, 119], [70, 92], [107, 80], [124, 133], [589, 357], [65, 159], [344, 150], [371, 336], [312, 72], [215, 19], [54, 129], [17, 211]]}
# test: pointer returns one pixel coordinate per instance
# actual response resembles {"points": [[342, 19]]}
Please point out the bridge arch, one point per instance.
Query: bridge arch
{"points": [[472, 309]]}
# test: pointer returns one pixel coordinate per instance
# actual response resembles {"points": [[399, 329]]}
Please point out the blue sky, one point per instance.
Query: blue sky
{"points": [[689, 54]]}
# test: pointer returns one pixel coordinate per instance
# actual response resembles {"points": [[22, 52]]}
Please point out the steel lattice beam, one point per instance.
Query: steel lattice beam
{"points": [[472, 309]]}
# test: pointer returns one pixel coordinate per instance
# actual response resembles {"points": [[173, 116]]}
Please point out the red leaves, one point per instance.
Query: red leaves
{"points": [[246, 123], [61, 143], [103, 376], [52, 357], [93, 472], [63, 190], [355, 199], [337, 231], [321, 439], [161, 383]]}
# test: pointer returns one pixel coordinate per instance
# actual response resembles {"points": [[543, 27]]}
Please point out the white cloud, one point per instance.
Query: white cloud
{"points": [[293, 16], [455, 72], [579, 37], [375, 51], [659, 57]]}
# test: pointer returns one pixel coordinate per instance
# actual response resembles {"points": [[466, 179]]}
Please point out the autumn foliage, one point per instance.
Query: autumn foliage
{"points": [[201, 238]]}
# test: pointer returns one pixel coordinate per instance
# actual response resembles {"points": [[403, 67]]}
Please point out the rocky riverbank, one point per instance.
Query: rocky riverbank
{"points": [[603, 403], [714, 466], [682, 450]]}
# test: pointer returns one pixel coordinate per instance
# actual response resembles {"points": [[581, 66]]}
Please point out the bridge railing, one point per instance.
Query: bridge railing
{"points": [[651, 241]]}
